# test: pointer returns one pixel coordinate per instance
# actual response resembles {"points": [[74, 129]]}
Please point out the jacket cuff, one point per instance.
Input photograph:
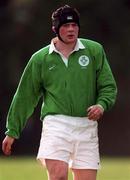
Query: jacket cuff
{"points": [[12, 134], [102, 105]]}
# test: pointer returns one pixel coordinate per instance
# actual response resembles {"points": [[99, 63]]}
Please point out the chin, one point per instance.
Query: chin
{"points": [[72, 40]]}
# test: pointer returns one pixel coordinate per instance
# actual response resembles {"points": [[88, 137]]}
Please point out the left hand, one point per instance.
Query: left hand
{"points": [[95, 112]]}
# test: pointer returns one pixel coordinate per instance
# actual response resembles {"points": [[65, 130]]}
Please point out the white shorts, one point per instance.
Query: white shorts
{"points": [[73, 140]]}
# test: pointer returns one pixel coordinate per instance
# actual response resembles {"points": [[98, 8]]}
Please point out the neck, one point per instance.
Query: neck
{"points": [[65, 47]]}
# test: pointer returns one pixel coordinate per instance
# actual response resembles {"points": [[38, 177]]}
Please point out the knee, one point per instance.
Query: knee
{"points": [[59, 177], [58, 174], [57, 170]]}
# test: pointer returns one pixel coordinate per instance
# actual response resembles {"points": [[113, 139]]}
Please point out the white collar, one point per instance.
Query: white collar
{"points": [[78, 46]]}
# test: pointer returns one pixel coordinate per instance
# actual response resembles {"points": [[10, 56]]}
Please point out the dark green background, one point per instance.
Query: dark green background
{"points": [[25, 27]]}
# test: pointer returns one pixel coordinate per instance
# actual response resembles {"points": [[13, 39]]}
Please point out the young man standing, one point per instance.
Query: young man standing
{"points": [[75, 79]]}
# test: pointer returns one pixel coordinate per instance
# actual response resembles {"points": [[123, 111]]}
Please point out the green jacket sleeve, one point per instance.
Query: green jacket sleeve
{"points": [[106, 85], [25, 99]]}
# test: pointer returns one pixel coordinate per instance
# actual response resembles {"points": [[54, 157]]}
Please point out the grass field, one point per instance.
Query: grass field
{"points": [[27, 168]]}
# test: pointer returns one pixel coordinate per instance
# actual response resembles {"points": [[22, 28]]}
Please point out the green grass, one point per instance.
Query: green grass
{"points": [[115, 169], [25, 168]]}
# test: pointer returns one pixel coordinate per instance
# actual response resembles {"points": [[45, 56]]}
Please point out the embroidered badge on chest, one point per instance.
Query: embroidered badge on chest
{"points": [[83, 60]]}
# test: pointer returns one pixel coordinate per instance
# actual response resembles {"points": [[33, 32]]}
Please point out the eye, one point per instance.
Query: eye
{"points": [[66, 25], [74, 24]]}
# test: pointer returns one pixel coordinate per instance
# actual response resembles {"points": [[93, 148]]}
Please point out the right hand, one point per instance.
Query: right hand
{"points": [[7, 145]]}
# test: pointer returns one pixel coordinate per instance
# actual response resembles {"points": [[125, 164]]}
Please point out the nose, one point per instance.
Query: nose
{"points": [[71, 27]]}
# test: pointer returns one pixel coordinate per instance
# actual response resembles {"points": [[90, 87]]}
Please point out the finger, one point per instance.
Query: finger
{"points": [[6, 147], [94, 114], [90, 108]]}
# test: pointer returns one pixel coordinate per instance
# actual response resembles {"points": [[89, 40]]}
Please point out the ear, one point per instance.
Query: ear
{"points": [[53, 29]]}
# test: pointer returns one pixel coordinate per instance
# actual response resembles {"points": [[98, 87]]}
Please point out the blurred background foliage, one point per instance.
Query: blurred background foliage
{"points": [[25, 27]]}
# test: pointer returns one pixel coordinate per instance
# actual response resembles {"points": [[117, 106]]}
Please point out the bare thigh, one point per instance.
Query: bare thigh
{"points": [[84, 174], [57, 170]]}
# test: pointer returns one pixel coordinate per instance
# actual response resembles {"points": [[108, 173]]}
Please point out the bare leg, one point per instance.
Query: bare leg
{"points": [[57, 170], [84, 174]]}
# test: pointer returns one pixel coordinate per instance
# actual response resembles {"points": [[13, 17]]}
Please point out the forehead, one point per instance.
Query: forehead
{"points": [[69, 23]]}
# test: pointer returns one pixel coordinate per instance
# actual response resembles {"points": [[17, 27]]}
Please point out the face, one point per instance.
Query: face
{"points": [[69, 32]]}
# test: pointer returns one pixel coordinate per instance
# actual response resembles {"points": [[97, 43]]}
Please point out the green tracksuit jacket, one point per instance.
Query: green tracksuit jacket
{"points": [[86, 81]]}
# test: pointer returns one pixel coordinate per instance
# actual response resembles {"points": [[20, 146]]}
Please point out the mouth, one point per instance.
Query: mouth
{"points": [[71, 36]]}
